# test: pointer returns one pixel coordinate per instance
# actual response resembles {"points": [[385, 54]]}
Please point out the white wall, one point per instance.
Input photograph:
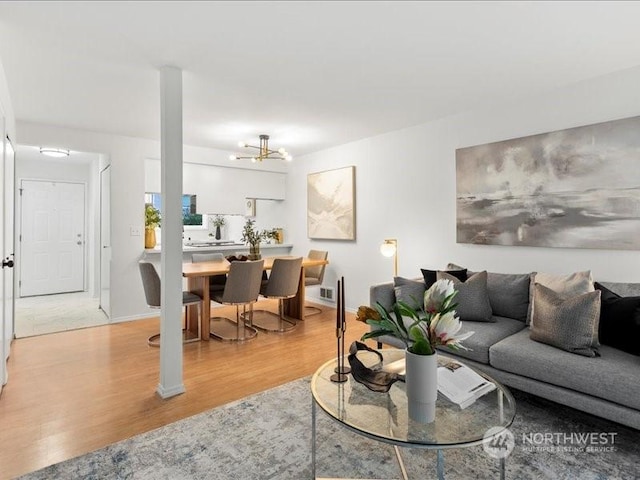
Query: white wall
{"points": [[7, 107], [126, 155], [405, 189]]}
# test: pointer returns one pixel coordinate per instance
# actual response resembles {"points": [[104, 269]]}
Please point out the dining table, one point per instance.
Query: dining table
{"points": [[197, 275]]}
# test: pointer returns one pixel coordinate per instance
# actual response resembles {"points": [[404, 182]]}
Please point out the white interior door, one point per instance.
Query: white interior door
{"points": [[52, 249], [4, 350], [105, 239], [9, 243]]}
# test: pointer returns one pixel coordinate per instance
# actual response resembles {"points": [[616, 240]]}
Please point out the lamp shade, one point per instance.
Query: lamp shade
{"points": [[388, 248]]}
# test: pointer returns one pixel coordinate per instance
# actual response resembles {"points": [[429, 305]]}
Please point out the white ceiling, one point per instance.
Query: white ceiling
{"points": [[310, 74]]}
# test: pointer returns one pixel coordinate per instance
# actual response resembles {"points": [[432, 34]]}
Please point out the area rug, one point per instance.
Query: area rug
{"points": [[268, 436]]}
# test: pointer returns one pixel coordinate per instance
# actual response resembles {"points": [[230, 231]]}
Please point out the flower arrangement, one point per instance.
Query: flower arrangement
{"points": [[421, 331], [151, 216], [218, 221], [253, 237]]}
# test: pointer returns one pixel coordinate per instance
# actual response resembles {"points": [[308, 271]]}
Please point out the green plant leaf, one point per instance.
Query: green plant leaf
{"points": [[421, 347]]}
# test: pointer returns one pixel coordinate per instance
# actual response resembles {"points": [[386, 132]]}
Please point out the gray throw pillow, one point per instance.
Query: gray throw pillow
{"points": [[564, 285], [472, 297], [509, 294], [410, 292], [567, 323]]}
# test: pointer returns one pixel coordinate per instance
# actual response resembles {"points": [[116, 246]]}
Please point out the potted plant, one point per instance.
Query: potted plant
{"points": [[151, 222], [218, 222], [253, 237], [421, 332]]}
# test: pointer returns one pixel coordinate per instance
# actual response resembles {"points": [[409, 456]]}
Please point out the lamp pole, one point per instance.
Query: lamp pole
{"points": [[390, 249]]}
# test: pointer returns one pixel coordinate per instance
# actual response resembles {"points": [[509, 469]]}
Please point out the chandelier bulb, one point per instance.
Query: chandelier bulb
{"points": [[253, 160], [232, 157], [242, 144], [288, 158], [282, 151]]}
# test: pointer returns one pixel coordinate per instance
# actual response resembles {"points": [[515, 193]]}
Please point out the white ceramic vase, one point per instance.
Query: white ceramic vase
{"points": [[421, 379]]}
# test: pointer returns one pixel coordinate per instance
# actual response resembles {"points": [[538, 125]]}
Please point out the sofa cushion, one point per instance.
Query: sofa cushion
{"points": [[485, 335], [509, 294], [472, 298], [410, 292], [619, 324], [430, 276], [565, 285], [570, 324], [613, 376]]}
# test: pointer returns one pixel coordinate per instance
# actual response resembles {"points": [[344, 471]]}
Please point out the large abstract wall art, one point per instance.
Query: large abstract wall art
{"points": [[331, 204], [574, 188]]}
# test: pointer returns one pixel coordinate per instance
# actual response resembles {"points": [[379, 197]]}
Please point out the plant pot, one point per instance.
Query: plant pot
{"points": [[149, 237], [421, 379], [254, 252], [218, 236]]}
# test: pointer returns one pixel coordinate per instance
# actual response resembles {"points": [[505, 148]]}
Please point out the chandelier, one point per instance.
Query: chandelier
{"points": [[263, 152]]}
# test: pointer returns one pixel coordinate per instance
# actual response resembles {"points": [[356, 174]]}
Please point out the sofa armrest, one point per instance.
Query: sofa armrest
{"points": [[384, 294]]}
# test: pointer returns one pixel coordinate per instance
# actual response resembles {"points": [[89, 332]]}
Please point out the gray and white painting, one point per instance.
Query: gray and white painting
{"points": [[575, 188], [331, 204]]}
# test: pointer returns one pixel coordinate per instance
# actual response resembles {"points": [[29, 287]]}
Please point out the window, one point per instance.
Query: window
{"points": [[189, 215]]}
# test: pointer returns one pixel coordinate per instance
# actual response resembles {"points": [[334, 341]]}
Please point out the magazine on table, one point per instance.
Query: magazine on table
{"points": [[460, 384], [457, 382]]}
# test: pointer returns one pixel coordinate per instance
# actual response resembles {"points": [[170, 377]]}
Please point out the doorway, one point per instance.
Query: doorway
{"points": [[52, 237], [58, 243]]}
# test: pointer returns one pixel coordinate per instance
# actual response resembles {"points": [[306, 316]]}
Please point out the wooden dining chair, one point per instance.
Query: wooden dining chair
{"points": [[152, 287]]}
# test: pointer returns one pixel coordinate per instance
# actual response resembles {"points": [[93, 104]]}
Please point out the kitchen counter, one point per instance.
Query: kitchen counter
{"points": [[269, 248]]}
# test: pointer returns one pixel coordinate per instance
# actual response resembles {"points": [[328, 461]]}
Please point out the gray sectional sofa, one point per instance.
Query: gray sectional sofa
{"points": [[607, 385]]}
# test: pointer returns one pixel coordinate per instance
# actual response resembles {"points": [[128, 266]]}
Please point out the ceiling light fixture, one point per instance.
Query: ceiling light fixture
{"points": [[54, 152], [263, 151]]}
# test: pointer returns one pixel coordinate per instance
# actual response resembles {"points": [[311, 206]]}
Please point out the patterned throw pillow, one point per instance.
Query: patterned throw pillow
{"points": [[564, 285], [567, 323], [472, 297]]}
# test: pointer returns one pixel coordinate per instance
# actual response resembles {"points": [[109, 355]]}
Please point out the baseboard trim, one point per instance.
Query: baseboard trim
{"points": [[321, 301], [142, 316]]}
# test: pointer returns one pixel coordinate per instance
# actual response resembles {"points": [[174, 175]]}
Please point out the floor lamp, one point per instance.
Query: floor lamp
{"points": [[390, 249]]}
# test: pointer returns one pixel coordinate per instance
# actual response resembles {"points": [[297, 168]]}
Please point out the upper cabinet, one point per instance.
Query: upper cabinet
{"points": [[221, 189]]}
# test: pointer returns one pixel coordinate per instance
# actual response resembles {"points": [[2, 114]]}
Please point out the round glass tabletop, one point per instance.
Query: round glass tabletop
{"points": [[384, 416]]}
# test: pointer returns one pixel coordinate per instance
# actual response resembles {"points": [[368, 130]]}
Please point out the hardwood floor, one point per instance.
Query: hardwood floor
{"points": [[73, 392]]}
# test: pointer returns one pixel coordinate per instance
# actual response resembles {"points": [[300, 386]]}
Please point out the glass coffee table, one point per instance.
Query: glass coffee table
{"points": [[383, 416]]}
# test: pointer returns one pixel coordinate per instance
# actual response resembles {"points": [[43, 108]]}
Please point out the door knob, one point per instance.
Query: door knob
{"points": [[7, 263], [79, 242]]}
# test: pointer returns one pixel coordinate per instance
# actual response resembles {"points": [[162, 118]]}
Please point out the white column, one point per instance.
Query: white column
{"points": [[171, 256]]}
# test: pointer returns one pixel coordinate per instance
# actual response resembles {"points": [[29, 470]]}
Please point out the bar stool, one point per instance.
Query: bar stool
{"points": [[282, 284], [151, 284], [242, 288], [314, 276]]}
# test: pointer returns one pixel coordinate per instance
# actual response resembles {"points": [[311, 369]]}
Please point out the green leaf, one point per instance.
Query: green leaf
{"points": [[421, 347]]}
